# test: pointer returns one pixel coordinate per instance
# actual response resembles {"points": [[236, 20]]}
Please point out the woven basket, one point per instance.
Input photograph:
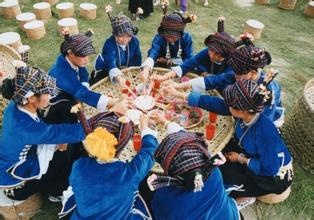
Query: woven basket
{"points": [[23, 211], [7, 55], [298, 129], [275, 198], [224, 127]]}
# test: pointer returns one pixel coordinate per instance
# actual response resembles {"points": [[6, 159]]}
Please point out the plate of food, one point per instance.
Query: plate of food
{"points": [[186, 116], [144, 102], [134, 115]]}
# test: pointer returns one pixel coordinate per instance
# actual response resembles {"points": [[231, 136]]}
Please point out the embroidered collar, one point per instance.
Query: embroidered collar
{"points": [[123, 46], [71, 64], [32, 115], [252, 121]]}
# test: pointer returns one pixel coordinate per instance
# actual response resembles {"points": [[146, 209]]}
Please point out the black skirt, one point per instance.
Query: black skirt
{"points": [[253, 185], [146, 5]]}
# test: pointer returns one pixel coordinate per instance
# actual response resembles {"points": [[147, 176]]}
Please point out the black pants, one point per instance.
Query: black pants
{"points": [[54, 182], [94, 78], [254, 185], [146, 193]]}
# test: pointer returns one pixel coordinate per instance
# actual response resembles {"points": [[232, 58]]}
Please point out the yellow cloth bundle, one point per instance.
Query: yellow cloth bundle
{"points": [[101, 144]]}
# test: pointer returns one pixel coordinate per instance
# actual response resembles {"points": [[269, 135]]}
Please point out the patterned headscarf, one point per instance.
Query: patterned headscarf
{"points": [[79, 44], [220, 42], [180, 154], [109, 120], [248, 58], [32, 81], [245, 95], [121, 25]]}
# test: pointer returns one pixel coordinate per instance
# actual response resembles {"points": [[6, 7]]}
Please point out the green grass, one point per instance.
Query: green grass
{"points": [[288, 35]]}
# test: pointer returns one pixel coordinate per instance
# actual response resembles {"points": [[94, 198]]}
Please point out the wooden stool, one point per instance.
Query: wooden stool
{"points": [[262, 2], [51, 2], [11, 39], [35, 30], [254, 27], [309, 9], [11, 209], [88, 10], [287, 4], [10, 9], [275, 198], [71, 23], [23, 18], [42, 10], [65, 9]]}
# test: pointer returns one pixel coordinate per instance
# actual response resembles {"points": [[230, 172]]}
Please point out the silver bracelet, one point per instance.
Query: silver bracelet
{"points": [[240, 158]]}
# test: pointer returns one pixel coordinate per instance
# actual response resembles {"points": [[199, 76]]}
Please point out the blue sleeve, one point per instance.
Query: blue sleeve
{"points": [[219, 81], [141, 164], [50, 133], [187, 46], [84, 75], [154, 51], [268, 162], [209, 103], [137, 56], [107, 60], [193, 62], [73, 86]]}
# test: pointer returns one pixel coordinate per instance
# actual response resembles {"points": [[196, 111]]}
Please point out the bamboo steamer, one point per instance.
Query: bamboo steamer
{"points": [[35, 30], [309, 9], [298, 129], [275, 198], [11, 39], [10, 9], [51, 2], [88, 10], [42, 10], [254, 27], [71, 23], [11, 209], [65, 9], [262, 2], [287, 4], [23, 18]]}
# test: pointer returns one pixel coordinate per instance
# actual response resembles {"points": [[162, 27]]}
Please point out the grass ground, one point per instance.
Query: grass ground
{"points": [[288, 35]]}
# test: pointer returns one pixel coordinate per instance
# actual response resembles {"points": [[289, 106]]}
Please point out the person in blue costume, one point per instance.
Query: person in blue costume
{"points": [[72, 79], [191, 187], [31, 157], [171, 46], [211, 60], [263, 164], [102, 186], [120, 50], [247, 63]]}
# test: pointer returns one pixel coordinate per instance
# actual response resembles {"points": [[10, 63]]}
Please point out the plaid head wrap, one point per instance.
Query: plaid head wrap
{"points": [[248, 58], [109, 120], [173, 25], [32, 81], [122, 24], [79, 44], [179, 154], [222, 43], [244, 95]]}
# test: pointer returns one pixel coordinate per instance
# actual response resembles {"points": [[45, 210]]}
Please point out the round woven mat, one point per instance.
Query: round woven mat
{"points": [[298, 129], [224, 126], [7, 56]]}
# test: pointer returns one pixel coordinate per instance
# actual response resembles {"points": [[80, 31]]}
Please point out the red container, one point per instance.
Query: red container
{"points": [[212, 117], [156, 84], [210, 130], [137, 142], [127, 83]]}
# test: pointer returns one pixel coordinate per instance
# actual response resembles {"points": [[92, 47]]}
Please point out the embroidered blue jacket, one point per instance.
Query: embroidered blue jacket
{"points": [[20, 136], [212, 203], [109, 190], [71, 83], [159, 47], [113, 56], [261, 142]]}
